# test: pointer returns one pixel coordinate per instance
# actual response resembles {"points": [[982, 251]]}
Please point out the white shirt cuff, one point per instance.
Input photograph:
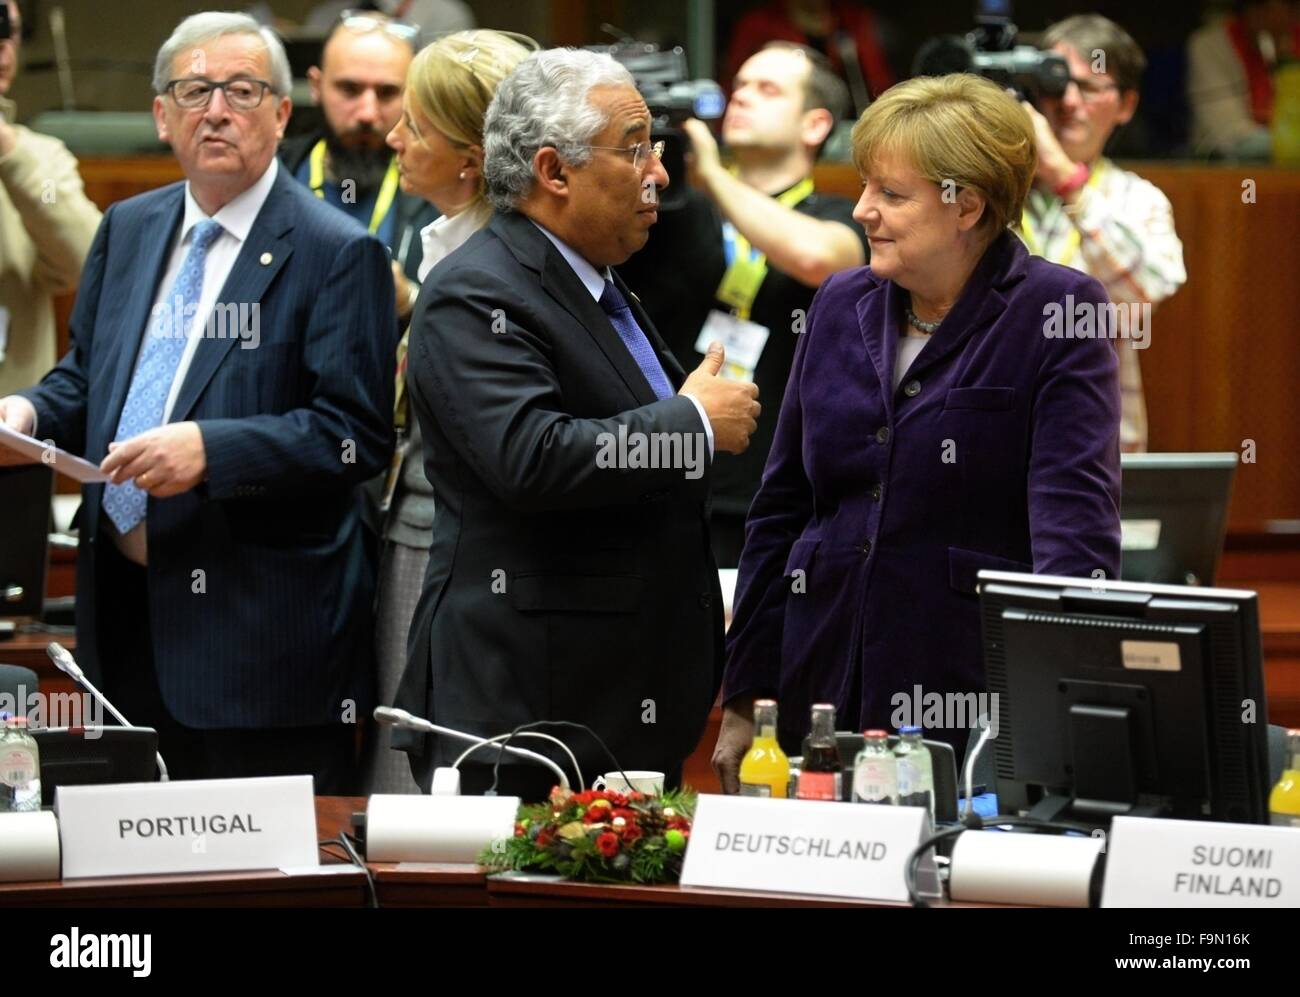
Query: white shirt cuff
{"points": [[708, 429]]}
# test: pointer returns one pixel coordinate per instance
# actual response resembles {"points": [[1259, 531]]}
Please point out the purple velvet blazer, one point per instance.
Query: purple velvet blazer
{"points": [[1000, 449]]}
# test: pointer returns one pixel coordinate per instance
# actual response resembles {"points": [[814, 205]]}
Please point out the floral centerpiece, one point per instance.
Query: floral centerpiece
{"points": [[599, 837]]}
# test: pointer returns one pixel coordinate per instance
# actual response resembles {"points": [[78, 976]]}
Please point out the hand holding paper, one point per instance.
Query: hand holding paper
{"points": [[17, 446]]}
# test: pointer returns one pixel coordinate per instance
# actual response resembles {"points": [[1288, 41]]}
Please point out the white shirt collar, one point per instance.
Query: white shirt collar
{"points": [[446, 234], [237, 216], [591, 278]]}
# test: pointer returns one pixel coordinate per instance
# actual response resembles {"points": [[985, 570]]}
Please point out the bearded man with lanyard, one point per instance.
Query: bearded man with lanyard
{"points": [[756, 243], [1084, 211], [358, 87]]}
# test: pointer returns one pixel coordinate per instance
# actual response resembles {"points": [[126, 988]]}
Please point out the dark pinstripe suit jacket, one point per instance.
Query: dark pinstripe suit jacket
{"points": [[278, 633]]}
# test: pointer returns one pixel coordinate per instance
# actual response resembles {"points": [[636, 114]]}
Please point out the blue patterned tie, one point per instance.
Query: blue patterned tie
{"points": [[620, 316], [156, 370]]}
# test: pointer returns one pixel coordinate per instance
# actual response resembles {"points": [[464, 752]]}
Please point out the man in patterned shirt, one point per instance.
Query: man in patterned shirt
{"points": [[1086, 212]]}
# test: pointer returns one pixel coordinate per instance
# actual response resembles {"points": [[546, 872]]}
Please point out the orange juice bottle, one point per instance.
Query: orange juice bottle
{"points": [[1284, 801], [764, 771]]}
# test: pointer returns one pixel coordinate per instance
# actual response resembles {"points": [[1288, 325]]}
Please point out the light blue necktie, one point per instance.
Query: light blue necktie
{"points": [[620, 316], [159, 360]]}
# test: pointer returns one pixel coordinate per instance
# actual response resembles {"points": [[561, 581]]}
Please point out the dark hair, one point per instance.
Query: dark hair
{"points": [[1090, 33], [823, 88]]}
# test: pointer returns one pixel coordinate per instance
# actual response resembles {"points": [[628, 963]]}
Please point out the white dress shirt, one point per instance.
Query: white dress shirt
{"points": [[447, 233], [236, 219], [594, 282]]}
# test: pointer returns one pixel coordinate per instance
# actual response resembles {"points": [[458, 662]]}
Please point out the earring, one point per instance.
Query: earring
{"points": [[462, 174]]}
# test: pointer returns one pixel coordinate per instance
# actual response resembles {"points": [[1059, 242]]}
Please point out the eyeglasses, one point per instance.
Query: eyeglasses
{"points": [[364, 20], [641, 152], [1090, 91], [242, 94]]}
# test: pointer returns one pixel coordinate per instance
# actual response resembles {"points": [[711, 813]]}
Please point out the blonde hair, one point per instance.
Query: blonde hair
{"points": [[452, 79], [960, 128]]}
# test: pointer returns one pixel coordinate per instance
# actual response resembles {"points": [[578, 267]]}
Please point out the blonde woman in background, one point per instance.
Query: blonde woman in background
{"points": [[439, 146]]}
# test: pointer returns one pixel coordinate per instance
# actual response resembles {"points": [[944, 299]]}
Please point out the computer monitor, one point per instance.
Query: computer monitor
{"points": [[115, 754], [1173, 515], [26, 493], [1116, 698]]}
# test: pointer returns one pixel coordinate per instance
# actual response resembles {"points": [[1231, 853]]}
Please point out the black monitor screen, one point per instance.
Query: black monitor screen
{"points": [[1173, 515], [1118, 698]]}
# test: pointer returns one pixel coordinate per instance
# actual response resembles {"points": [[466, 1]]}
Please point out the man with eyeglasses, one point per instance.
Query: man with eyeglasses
{"points": [[761, 240], [46, 226], [226, 376], [358, 87], [569, 575], [1088, 213]]}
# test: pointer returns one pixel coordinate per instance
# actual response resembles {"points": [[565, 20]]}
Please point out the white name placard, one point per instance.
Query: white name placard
{"points": [[1194, 863], [806, 846], [203, 825]]}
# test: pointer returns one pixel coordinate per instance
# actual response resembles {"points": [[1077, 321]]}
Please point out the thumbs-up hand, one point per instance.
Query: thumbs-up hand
{"points": [[732, 406]]}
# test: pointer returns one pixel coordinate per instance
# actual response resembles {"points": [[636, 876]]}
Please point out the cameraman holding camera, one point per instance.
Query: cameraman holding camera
{"points": [[760, 240], [1086, 212], [46, 227]]}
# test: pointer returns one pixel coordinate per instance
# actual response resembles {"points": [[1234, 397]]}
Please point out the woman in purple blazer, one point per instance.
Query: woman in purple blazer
{"points": [[937, 422]]}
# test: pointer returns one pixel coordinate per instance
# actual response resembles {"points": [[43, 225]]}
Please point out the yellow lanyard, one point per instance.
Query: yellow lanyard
{"points": [[387, 190], [1030, 233], [746, 270]]}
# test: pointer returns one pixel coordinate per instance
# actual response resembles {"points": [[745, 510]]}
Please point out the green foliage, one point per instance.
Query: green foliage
{"points": [[557, 836]]}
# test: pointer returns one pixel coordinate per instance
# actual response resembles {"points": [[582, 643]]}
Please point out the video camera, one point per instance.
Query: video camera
{"points": [[662, 78], [990, 50]]}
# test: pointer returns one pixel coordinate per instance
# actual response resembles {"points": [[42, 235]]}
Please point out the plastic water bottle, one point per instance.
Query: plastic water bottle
{"points": [[20, 767], [915, 770], [875, 771]]}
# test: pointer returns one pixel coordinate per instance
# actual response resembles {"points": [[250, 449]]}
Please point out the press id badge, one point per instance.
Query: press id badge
{"points": [[743, 341]]}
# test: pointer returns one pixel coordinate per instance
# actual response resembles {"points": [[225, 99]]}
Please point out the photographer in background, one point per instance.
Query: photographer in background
{"points": [[760, 240], [46, 227], [1086, 212]]}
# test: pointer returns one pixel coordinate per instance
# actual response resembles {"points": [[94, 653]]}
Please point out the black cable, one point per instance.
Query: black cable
{"points": [[496, 767], [346, 841], [976, 824]]}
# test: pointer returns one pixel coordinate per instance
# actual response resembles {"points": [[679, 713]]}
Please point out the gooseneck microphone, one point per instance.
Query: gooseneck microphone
{"points": [[67, 664], [392, 717]]}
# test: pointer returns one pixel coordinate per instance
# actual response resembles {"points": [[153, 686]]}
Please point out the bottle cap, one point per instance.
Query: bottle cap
{"points": [[909, 730], [874, 733]]}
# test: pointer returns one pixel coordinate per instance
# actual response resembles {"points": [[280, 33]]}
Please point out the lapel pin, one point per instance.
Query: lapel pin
{"points": [[266, 259]]}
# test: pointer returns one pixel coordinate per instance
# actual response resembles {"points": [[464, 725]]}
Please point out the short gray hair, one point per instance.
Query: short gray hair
{"points": [[544, 102], [210, 25]]}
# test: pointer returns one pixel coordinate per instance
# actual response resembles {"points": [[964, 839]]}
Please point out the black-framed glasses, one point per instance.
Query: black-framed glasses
{"points": [[362, 21], [1093, 90], [641, 152], [242, 93]]}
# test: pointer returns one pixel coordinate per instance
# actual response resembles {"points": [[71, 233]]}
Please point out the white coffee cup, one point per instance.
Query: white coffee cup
{"points": [[650, 783]]}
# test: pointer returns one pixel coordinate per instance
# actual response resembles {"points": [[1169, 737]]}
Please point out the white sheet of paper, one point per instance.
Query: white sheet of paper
{"points": [[743, 341], [60, 460]]}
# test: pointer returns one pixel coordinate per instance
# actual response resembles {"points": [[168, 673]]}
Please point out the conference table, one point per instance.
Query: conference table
{"points": [[396, 884]]}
